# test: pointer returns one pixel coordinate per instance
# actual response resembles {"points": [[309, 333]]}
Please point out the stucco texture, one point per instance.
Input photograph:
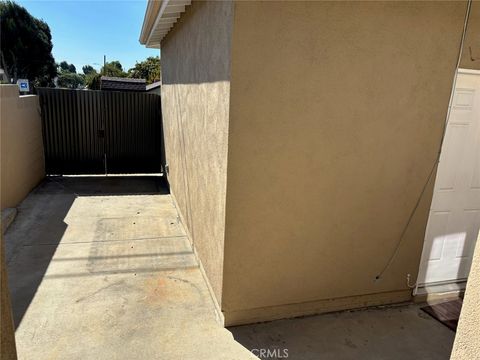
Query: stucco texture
{"points": [[22, 156], [467, 339], [471, 47], [195, 101], [7, 333], [336, 116]]}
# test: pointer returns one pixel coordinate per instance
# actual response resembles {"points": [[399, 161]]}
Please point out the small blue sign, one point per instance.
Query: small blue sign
{"points": [[23, 85]]}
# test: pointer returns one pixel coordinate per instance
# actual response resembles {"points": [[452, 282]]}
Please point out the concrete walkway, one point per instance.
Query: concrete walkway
{"points": [[385, 333], [100, 268]]}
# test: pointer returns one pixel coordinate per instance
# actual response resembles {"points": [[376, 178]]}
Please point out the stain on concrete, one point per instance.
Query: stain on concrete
{"points": [[103, 288], [87, 283]]}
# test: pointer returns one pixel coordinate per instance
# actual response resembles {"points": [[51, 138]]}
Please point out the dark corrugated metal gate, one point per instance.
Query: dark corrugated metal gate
{"points": [[97, 132]]}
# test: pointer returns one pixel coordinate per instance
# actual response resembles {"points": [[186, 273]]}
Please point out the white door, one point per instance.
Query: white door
{"points": [[454, 219]]}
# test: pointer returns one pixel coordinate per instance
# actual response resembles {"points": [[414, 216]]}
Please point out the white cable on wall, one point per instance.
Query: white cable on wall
{"points": [[437, 159]]}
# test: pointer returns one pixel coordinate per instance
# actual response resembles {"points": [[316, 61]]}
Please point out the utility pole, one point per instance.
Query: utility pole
{"points": [[104, 63]]}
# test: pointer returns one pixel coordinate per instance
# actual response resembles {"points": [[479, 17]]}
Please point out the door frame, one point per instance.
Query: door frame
{"points": [[422, 263]]}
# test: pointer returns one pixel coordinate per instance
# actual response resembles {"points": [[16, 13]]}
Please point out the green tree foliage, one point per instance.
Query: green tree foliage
{"points": [[70, 80], [113, 69], [92, 80], [26, 45], [148, 69], [64, 66], [88, 69], [68, 77]]}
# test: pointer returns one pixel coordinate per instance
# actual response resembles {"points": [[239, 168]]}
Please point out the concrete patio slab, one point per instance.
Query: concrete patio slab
{"points": [[109, 276], [132, 206], [393, 333], [99, 272]]}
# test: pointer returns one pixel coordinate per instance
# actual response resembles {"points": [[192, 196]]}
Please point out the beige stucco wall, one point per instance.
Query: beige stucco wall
{"points": [[195, 100], [336, 115], [7, 332], [471, 47], [22, 156], [467, 339]]}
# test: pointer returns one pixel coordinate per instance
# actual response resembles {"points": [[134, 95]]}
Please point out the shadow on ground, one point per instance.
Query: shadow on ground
{"points": [[398, 332], [102, 267], [40, 225], [103, 185]]}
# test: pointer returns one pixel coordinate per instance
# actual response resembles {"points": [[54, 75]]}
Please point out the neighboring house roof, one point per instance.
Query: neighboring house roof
{"points": [[122, 84], [154, 85], [159, 19]]}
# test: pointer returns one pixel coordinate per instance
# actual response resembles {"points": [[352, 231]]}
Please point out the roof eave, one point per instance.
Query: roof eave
{"points": [[160, 17], [144, 25]]}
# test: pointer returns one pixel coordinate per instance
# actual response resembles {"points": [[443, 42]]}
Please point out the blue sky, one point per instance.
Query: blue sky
{"points": [[84, 31]]}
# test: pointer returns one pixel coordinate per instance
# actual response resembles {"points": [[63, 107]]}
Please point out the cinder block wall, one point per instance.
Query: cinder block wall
{"points": [[22, 156]]}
